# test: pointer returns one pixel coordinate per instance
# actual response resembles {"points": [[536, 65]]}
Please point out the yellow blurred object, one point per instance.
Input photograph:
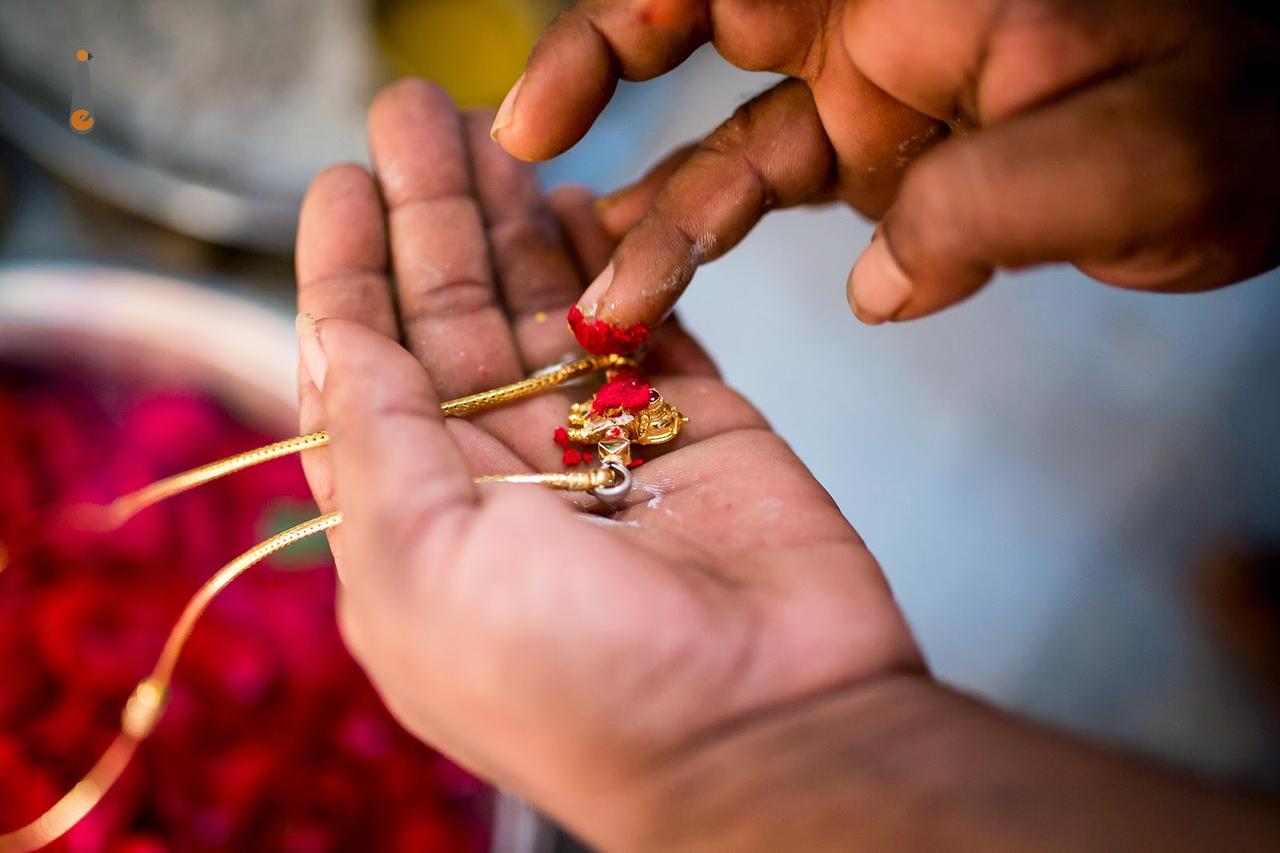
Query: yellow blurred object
{"points": [[475, 49]]}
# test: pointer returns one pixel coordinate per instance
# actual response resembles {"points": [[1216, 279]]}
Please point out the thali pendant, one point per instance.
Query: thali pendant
{"points": [[626, 411]]}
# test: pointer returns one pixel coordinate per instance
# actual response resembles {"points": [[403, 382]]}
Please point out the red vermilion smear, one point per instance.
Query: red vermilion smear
{"points": [[561, 437], [601, 338], [627, 389], [572, 456]]}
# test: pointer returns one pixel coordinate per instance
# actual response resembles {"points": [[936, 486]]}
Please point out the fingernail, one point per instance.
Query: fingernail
{"points": [[313, 358], [507, 109], [590, 300], [878, 288]]}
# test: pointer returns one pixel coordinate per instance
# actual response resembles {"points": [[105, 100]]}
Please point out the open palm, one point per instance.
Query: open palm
{"points": [[561, 652]]}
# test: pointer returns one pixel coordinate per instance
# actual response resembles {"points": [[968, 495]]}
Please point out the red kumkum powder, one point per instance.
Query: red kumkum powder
{"points": [[628, 389], [601, 338]]}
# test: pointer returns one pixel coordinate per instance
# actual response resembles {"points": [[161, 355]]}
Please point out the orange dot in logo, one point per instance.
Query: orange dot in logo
{"points": [[82, 121], [82, 55]]}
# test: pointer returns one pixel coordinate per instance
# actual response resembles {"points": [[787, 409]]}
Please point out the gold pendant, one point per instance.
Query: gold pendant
{"points": [[626, 410]]}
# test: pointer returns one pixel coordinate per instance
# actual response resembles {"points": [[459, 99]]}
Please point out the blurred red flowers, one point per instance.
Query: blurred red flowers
{"points": [[274, 739]]}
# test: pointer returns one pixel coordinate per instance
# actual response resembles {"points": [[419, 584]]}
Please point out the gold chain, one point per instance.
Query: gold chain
{"points": [[125, 507], [147, 704]]}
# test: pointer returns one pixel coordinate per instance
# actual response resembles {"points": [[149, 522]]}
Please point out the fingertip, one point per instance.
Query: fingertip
{"points": [[340, 225], [566, 85], [387, 109], [592, 300], [878, 289], [361, 364], [338, 177], [506, 112]]}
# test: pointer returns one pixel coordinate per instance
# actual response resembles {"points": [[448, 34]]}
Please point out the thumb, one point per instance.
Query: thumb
{"points": [[1103, 180], [399, 477]]}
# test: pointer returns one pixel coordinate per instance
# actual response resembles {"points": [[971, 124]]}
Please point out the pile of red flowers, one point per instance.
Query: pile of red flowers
{"points": [[274, 739]]}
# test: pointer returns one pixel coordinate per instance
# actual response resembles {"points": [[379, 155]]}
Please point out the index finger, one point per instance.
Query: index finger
{"points": [[450, 312], [772, 153], [578, 61]]}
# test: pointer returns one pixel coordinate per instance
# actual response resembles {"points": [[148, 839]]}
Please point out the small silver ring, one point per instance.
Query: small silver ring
{"points": [[615, 494]]}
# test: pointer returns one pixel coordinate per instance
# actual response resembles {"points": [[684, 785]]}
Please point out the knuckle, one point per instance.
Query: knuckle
{"points": [[934, 215], [729, 145], [528, 231], [449, 299]]}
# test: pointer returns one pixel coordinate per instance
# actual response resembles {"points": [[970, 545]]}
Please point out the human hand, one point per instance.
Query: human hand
{"points": [[1136, 139], [568, 656]]}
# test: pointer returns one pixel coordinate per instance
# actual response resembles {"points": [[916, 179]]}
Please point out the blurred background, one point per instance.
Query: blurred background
{"points": [[1075, 491]]}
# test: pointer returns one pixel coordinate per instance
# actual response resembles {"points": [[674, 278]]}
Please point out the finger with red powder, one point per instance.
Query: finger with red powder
{"points": [[672, 349], [771, 153]]}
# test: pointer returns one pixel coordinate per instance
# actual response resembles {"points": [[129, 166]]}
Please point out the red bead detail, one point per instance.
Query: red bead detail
{"points": [[601, 338], [561, 437], [635, 463], [572, 456]]}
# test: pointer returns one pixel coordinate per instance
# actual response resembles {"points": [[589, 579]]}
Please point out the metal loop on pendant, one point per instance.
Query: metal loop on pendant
{"points": [[615, 493]]}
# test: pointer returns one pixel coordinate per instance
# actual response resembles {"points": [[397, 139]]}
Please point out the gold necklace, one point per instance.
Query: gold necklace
{"points": [[625, 411]]}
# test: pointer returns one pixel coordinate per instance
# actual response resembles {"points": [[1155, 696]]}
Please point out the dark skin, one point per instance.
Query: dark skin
{"points": [[1135, 139], [719, 664], [561, 657]]}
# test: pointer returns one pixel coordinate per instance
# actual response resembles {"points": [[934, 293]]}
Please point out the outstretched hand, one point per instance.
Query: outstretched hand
{"points": [[568, 654], [1136, 139]]}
